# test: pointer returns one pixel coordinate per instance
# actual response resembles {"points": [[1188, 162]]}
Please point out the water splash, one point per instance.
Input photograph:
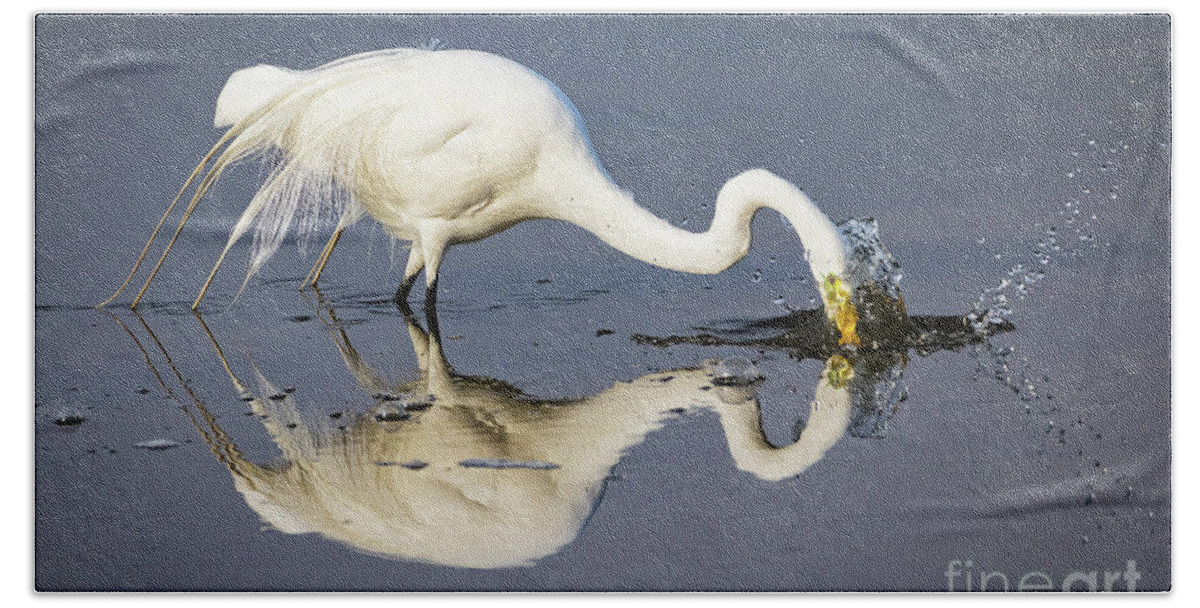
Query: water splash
{"points": [[867, 260], [1096, 168], [877, 392]]}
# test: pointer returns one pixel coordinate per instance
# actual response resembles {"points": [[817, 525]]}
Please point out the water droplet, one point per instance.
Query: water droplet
{"points": [[391, 414], [156, 444], [735, 371], [69, 420]]}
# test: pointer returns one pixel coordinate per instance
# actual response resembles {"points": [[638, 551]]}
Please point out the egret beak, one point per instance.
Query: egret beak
{"points": [[845, 315]]}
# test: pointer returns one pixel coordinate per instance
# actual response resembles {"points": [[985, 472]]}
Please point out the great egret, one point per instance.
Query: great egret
{"points": [[448, 147]]}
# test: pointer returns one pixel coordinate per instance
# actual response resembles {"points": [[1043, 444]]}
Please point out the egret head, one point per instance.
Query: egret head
{"points": [[865, 302]]}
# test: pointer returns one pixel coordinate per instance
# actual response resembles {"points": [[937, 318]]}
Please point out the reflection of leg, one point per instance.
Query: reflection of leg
{"points": [[420, 340], [431, 309], [315, 273], [431, 251]]}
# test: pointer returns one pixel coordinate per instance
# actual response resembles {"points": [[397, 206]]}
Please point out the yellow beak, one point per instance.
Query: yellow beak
{"points": [[845, 316]]}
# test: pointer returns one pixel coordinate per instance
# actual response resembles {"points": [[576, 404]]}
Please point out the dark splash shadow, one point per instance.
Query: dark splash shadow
{"points": [[807, 334], [876, 381]]}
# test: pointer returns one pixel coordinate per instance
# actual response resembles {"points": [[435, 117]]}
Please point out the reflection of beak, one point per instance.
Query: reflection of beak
{"points": [[838, 371]]}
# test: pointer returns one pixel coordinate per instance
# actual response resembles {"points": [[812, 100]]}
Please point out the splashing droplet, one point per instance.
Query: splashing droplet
{"points": [[868, 261], [735, 371]]}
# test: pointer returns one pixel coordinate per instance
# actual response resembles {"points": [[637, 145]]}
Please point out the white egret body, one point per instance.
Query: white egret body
{"points": [[448, 147]]}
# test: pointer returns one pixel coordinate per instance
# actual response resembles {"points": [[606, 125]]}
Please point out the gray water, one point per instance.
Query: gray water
{"points": [[968, 138]]}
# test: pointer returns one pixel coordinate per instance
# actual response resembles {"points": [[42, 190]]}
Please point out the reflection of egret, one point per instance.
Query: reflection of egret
{"points": [[398, 487], [447, 147]]}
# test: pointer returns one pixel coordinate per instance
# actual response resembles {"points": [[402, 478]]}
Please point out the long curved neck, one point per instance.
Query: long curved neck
{"points": [[588, 199]]}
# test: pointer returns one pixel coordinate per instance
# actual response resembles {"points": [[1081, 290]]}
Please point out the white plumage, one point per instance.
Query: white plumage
{"points": [[446, 147]]}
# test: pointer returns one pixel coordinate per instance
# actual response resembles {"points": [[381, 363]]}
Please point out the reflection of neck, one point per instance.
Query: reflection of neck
{"points": [[608, 423], [827, 422]]}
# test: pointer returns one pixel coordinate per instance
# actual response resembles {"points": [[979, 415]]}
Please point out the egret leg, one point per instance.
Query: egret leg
{"points": [[416, 262], [319, 266], [401, 296]]}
